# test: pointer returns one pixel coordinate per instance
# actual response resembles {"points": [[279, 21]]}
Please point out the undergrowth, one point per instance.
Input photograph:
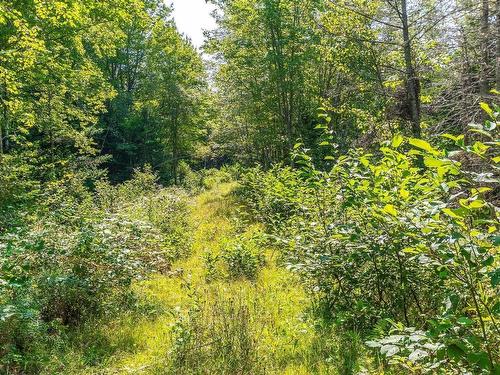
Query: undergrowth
{"points": [[238, 322]]}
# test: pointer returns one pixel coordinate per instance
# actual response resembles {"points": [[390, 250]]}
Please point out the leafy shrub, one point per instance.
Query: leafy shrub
{"points": [[143, 199], [16, 182], [206, 179], [243, 260], [212, 266], [190, 180], [240, 258], [273, 197], [213, 177], [406, 234], [78, 256]]}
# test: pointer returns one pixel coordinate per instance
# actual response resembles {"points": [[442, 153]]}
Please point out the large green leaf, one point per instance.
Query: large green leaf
{"points": [[423, 145]]}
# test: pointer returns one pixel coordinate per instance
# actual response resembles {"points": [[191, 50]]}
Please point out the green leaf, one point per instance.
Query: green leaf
{"points": [[477, 204], [391, 210], [451, 213], [480, 148], [452, 137], [423, 145], [405, 194], [364, 161], [431, 162], [417, 354], [397, 141], [454, 351], [389, 350], [487, 109], [373, 344], [479, 358], [495, 278], [465, 321]]}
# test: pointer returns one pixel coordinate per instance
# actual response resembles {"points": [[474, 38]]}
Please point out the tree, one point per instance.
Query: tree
{"points": [[279, 61], [485, 35], [267, 46], [52, 90], [171, 97], [498, 45]]}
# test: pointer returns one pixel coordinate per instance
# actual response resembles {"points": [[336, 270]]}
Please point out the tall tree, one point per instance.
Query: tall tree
{"points": [[412, 79], [52, 89], [171, 97], [485, 47], [497, 11], [279, 61]]}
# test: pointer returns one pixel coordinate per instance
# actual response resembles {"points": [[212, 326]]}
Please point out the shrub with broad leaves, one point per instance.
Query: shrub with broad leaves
{"points": [[408, 234]]}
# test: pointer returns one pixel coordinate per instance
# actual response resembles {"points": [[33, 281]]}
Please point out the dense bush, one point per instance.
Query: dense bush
{"points": [[273, 197], [78, 255], [241, 258], [401, 243]]}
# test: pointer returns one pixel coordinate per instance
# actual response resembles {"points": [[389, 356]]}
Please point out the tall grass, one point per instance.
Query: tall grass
{"points": [[186, 325]]}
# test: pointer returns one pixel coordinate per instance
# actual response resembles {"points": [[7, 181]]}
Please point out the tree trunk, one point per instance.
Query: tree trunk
{"points": [[485, 29], [7, 135], [4, 126], [175, 146], [412, 81], [1, 140], [282, 87], [497, 86]]}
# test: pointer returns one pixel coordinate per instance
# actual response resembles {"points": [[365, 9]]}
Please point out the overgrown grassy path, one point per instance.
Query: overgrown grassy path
{"points": [[223, 326]]}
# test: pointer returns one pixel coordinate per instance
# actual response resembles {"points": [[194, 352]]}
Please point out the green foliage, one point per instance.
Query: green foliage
{"points": [[78, 256], [213, 177], [143, 199], [397, 244], [273, 197], [280, 61], [206, 179], [243, 259], [379, 237], [240, 258], [215, 338], [170, 103]]}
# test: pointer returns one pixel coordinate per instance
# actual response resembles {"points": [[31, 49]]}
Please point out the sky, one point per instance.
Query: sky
{"points": [[192, 17]]}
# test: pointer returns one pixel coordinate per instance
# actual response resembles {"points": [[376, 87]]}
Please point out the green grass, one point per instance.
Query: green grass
{"points": [[187, 325]]}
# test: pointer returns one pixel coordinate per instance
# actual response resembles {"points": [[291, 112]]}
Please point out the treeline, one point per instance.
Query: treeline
{"points": [[81, 79], [89, 90], [375, 68], [117, 81]]}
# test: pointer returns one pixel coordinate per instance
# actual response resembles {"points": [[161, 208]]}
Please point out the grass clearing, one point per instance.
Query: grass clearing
{"points": [[227, 326]]}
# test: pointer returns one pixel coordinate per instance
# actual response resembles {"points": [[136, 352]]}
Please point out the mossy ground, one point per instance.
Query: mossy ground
{"points": [[283, 338]]}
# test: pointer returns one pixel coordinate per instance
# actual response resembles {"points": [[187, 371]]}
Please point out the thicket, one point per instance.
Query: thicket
{"points": [[240, 258], [400, 244], [75, 257]]}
